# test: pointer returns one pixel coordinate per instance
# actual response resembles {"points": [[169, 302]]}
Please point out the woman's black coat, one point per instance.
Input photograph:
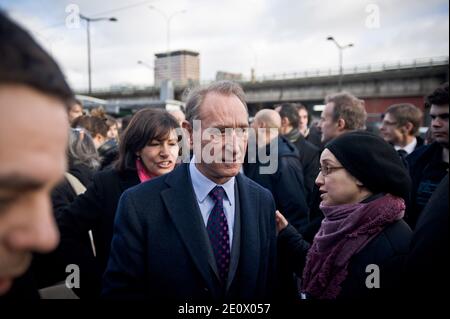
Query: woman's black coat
{"points": [[387, 251], [94, 210]]}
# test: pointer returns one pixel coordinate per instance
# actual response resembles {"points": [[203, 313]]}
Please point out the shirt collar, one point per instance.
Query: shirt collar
{"points": [[203, 185], [408, 148]]}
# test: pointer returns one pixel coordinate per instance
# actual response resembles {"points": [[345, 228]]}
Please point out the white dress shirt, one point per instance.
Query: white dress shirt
{"points": [[408, 148], [203, 186]]}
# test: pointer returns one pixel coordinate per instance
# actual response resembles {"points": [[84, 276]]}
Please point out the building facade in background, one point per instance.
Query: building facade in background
{"points": [[183, 65]]}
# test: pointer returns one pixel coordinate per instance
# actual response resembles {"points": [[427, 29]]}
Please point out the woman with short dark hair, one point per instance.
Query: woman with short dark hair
{"points": [[148, 148]]}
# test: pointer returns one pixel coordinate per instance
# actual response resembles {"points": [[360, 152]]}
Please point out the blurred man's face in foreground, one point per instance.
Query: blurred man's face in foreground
{"points": [[33, 137]]}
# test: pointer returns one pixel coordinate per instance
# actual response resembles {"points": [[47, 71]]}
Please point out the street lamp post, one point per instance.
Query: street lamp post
{"points": [[88, 30], [168, 20], [340, 48]]}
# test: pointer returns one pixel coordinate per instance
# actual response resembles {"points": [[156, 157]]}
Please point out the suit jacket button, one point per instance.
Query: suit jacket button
{"points": [[206, 289]]}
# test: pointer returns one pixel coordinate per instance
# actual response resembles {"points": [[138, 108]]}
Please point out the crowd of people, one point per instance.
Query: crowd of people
{"points": [[117, 199]]}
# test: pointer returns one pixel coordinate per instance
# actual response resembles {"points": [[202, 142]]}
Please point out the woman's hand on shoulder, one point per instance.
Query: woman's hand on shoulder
{"points": [[281, 221]]}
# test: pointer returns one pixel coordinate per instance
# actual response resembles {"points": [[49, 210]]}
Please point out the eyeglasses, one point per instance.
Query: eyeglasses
{"points": [[220, 133], [326, 170], [387, 123]]}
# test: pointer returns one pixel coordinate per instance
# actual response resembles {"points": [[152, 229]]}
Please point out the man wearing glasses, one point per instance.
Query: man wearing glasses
{"points": [[399, 127], [203, 232]]}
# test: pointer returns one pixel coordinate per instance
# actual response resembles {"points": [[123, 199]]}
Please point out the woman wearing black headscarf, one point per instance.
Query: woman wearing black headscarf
{"points": [[362, 238]]}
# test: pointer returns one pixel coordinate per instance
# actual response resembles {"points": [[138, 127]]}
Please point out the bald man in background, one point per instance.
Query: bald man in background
{"points": [[286, 182], [178, 115]]}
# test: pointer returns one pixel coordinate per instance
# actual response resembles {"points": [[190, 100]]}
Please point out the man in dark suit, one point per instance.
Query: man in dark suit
{"points": [[400, 127], [285, 181], [426, 266], [429, 164], [203, 232], [309, 154]]}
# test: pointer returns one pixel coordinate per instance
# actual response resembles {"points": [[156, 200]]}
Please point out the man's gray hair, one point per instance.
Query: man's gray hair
{"points": [[197, 95], [349, 108]]}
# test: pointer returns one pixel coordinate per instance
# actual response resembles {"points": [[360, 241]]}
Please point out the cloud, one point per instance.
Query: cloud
{"points": [[273, 36]]}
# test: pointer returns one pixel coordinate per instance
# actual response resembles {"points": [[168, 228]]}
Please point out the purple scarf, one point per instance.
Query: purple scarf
{"points": [[345, 230]]}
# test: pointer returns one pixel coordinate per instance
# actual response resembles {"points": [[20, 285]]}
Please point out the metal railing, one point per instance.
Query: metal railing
{"points": [[309, 73], [352, 69], [355, 69]]}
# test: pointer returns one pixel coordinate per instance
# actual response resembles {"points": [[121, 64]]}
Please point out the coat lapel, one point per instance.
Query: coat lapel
{"points": [[249, 255], [183, 209], [236, 247]]}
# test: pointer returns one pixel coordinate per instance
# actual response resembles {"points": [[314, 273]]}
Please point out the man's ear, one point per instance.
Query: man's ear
{"points": [[99, 138], [341, 124], [407, 128], [284, 121], [188, 127]]}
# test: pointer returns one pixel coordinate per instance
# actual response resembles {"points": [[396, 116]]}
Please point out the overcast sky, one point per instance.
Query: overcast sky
{"points": [[273, 36]]}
